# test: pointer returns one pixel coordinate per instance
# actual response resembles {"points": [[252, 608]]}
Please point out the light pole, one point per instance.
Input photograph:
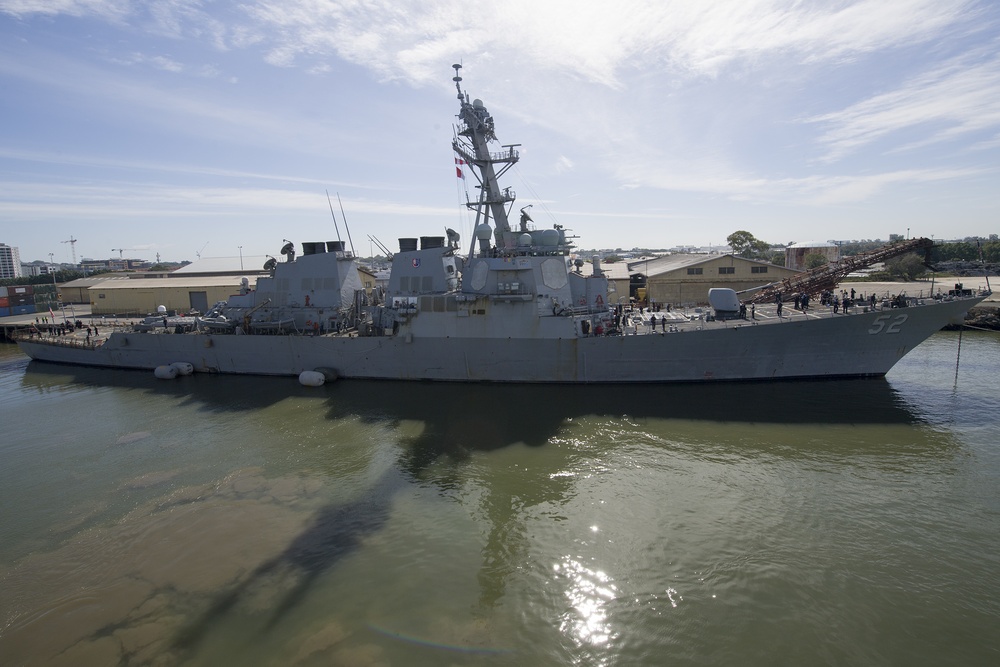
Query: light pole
{"points": [[55, 289], [241, 258]]}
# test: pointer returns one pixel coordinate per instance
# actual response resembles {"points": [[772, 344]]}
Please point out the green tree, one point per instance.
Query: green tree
{"points": [[907, 267], [991, 251], [966, 251], [815, 260], [747, 245]]}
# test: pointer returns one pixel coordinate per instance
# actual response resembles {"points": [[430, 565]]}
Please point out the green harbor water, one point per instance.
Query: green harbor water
{"points": [[219, 520]]}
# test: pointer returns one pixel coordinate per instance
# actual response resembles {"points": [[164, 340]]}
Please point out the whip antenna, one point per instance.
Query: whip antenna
{"points": [[328, 201], [344, 216]]}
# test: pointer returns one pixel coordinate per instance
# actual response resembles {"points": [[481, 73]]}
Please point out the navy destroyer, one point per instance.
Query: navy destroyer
{"points": [[512, 307]]}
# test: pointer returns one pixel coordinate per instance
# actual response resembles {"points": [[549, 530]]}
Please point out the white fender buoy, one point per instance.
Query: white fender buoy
{"points": [[329, 374], [183, 367], [165, 372], [311, 379]]}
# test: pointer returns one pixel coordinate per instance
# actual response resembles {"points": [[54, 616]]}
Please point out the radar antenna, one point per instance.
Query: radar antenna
{"points": [[525, 218], [458, 80]]}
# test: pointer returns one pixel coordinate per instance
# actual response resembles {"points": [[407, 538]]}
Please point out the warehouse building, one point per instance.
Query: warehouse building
{"points": [[76, 291], [142, 296], [684, 279], [195, 287]]}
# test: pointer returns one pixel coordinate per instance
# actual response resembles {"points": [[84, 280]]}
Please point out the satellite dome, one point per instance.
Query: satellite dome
{"points": [[550, 237]]}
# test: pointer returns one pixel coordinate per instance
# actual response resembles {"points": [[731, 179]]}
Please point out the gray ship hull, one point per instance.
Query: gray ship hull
{"points": [[862, 344]]}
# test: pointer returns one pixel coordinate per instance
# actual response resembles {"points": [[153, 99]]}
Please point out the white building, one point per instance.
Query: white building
{"points": [[10, 262], [38, 269]]}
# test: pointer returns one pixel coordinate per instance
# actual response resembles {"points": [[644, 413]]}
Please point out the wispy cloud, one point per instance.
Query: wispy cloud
{"points": [[163, 63], [709, 36], [779, 103], [69, 159], [107, 9], [118, 201], [194, 110], [813, 190], [595, 40], [957, 98]]}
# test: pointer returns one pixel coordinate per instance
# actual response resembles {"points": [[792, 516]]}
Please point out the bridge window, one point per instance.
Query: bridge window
{"points": [[725, 270], [695, 272], [758, 269]]}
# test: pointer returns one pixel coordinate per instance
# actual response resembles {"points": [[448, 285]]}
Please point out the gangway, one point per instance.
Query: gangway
{"points": [[828, 276]]}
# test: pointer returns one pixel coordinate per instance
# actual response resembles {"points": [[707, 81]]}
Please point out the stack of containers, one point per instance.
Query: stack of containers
{"points": [[4, 303], [20, 300]]}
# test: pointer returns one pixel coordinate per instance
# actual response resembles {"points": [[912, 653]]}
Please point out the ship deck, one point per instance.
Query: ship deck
{"points": [[634, 322], [700, 318]]}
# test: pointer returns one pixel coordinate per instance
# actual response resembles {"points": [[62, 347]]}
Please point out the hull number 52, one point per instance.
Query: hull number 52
{"points": [[883, 323]]}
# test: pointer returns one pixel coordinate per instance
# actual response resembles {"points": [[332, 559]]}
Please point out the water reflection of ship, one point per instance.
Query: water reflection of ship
{"points": [[462, 422], [520, 413], [460, 419]]}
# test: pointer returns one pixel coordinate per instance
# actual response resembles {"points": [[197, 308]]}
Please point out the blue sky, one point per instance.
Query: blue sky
{"points": [[181, 127]]}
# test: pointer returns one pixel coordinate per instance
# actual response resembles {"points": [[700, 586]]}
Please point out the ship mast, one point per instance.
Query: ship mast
{"points": [[471, 144]]}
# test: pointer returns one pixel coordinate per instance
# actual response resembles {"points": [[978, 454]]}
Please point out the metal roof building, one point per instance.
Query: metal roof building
{"points": [[142, 296], [684, 279]]}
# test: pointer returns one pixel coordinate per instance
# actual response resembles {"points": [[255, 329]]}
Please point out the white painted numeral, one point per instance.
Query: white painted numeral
{"points": [[896, 323], [882, 323]]}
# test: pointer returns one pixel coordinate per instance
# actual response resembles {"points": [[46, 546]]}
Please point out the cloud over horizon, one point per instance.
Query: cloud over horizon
{"points": [[793, 110]]}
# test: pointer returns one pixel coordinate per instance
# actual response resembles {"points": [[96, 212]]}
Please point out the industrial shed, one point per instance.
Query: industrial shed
{"points": [[684, 279], [141, 296], [76, 291]]}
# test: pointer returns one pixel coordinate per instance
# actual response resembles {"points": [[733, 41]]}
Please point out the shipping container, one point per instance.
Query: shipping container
{"points": [[4, 301], [21, 299], [3, 291], [23, 310], [4, 311], [20, 289]]}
